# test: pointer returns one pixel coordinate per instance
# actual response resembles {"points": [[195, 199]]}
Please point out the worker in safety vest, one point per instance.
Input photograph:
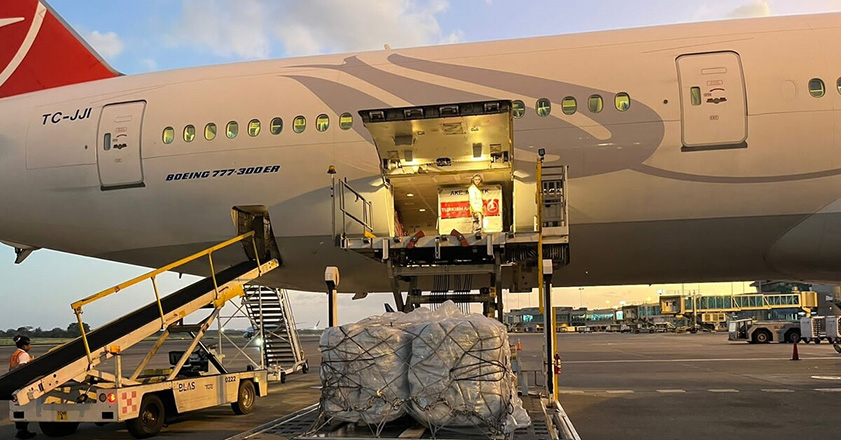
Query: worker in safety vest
{"points": [[20, 357], [474, 195]]}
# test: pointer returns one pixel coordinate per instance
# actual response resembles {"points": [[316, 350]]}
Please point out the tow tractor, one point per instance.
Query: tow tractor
{"points": [[763, 332], [69, 385]]}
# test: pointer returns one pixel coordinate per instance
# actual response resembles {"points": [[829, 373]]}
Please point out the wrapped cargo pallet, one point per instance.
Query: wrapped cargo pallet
{"points": [[363, 371], [460, 374], [447, 369]]}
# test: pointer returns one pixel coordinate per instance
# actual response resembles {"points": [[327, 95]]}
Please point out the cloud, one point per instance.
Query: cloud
{"points": [[249, 29], [106, 44], [227, 29], [148, 63], [759, 8], [319, 26]]}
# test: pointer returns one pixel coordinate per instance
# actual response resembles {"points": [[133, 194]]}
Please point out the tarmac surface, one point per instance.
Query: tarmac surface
{"points": [[629, 386]]}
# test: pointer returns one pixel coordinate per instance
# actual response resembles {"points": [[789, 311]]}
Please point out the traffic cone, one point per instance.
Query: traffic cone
{"points": [[794, 355], [519, 345]]}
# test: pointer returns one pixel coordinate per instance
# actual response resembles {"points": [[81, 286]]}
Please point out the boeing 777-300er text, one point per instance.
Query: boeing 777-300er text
{"points": [[704, 152]]}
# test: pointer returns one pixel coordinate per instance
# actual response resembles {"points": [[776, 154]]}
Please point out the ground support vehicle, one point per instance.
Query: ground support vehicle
{"points": [[763, 332], [833, 329], [69, 385], [813, 329]]}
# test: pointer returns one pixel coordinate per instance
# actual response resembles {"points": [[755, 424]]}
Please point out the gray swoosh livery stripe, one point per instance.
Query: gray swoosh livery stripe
{"points": [[676, 175], [414, 91], [629, 145], [341, 98]]}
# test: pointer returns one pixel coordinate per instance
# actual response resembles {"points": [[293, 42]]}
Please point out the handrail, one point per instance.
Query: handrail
{"points": [[367, 207], [77, 306]]}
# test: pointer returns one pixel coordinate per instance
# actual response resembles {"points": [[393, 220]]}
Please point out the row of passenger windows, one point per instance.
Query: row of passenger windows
{"points": [[817, 88], [299, 125], [569, 105]]}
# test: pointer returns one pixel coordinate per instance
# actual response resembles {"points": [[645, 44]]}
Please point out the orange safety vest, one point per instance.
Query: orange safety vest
{"points": [[14, 361]]}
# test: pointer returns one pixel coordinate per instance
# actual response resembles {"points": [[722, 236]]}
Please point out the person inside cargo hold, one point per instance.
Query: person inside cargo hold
{"points": [[474, 195], [19, 357]]}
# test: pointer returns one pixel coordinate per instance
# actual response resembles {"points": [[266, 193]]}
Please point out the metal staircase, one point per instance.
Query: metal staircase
{"points": [[274, 325]]}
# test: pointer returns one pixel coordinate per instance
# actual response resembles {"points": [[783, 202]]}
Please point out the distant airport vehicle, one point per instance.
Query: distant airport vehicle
{"points": [[763, 332], [719, 137], [813, 329], [833, 329]]}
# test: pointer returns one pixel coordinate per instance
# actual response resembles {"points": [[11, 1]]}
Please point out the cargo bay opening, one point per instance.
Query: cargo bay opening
{"points": [[420, 222], [429, 156]]}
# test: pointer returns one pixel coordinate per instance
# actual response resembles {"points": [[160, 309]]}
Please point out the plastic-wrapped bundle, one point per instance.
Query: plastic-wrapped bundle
{"points": [[447, 369], [460, 374], [364, 371]]}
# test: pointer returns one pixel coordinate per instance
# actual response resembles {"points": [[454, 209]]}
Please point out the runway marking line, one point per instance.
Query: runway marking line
{"points": [[619, 391], [777, 390], [671, 391], [570, 392], [828, 390], [827, 377], [723, 390]]}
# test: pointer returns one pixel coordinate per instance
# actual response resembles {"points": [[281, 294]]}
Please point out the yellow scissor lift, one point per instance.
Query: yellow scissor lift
{"points": [[67, 386]]}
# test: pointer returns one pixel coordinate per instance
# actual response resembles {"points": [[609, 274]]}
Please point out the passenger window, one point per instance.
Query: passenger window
{"points": [[569, 105], [519, 109], [322, 122], [816, 87], [838, 85], [232, 129], [168, 135], [189, 133], [253, 127], [543, 107], [276, 126], [622, 101], [346, 121], [595, 103], [695, 95], [210, 131], [299, 124]]}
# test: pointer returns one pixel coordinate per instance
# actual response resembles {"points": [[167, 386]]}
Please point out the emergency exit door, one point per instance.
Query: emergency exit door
{"points": [[712, 98], [118, 145]]}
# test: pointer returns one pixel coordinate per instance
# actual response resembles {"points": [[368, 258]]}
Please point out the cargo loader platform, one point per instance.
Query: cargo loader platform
{"points": [[437, 240]]}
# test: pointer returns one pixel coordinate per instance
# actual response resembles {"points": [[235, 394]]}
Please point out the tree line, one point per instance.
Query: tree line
{"points": [[72, 331]]}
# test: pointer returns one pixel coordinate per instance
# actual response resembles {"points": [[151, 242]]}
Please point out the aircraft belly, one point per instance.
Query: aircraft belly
{"points": [[690, 250], [811, 250], [601, 254]]}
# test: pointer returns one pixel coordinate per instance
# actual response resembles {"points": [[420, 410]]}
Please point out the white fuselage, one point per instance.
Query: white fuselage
{"points": [[644, 206]]}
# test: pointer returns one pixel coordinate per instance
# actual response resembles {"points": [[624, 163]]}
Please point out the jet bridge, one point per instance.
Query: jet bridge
{"points": [[419, 224]]}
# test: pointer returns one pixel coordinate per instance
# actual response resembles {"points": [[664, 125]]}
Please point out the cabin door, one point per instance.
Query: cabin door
{"points": [[118, 145], [712, 99]]}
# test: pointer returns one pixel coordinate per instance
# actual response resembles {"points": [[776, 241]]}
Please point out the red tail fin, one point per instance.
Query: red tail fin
{"points": [[39, 51]]}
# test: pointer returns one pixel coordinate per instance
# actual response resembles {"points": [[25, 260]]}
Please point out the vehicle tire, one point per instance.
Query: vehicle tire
{"points": [[282, 377], [151, 418], [305, 368], [762, 337], [246, 397], [817, 340], [792, 336], [58, 429]]}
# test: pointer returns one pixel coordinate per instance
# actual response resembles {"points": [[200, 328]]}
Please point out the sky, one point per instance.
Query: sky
{"points": [[154, 35]]}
